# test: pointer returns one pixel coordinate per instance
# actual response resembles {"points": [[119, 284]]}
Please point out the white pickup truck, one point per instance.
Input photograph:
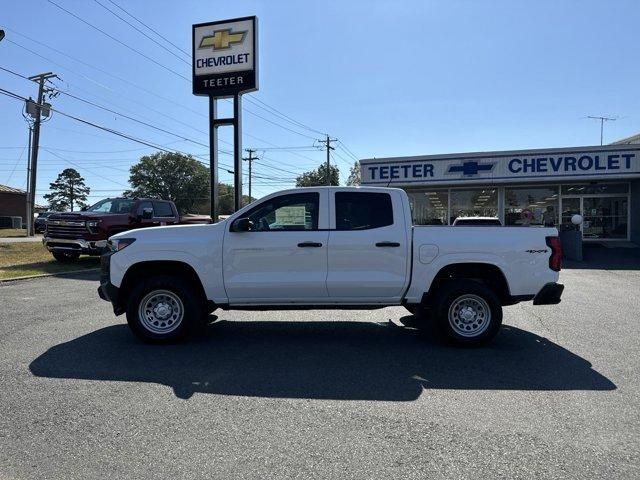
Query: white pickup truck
{"points": [[328, 247]]}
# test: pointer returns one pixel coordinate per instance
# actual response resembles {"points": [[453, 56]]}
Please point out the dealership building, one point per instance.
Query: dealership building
{"points": [[523, 187]]}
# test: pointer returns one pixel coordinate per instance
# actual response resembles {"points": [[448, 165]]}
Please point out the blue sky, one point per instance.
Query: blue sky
{"points": [[386, 78]]}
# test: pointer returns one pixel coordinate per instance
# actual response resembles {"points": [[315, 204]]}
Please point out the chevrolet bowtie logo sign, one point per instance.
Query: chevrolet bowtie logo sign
{"points": [[471, 168], [222, 39]]}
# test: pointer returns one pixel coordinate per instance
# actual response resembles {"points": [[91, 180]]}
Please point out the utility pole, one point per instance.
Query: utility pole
{"points": [[602, 120], [250, 160], [29, 216], [327, 144], [40, 80]]}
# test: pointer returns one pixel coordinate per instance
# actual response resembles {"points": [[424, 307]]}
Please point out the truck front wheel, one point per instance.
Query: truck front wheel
{"points": [[162, 309], [467, 312]]}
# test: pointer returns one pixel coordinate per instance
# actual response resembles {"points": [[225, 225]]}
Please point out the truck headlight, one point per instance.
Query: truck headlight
{"points": [[118, 244]]}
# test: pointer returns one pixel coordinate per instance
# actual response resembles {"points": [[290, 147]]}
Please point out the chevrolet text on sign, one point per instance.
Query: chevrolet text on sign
{"points": [[225, 59], [505, 167]]}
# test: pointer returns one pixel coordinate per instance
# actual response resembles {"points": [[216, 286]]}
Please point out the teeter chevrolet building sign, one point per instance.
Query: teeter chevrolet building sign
{"points": [[524, 187], [225, 57]]}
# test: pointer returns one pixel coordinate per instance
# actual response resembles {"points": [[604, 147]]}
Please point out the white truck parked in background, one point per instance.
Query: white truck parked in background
{"points": [[329, 247]]}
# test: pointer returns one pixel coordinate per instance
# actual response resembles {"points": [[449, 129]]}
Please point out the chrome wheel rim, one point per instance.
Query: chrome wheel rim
{"points": [[161, 311], [469, 315]]}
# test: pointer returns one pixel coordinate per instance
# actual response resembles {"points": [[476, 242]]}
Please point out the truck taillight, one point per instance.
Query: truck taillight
{"points": [[555, 260]]}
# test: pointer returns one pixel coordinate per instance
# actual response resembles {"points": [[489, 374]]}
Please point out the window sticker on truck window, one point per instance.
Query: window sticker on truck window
{"points": [[294, 215]]}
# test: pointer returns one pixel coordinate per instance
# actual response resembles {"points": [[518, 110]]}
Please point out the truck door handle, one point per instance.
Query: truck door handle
{"points": [[387, 244], [309, 244]]}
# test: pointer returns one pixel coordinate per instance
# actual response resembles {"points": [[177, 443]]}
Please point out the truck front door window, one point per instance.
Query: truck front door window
{"points": [[295, 212]]}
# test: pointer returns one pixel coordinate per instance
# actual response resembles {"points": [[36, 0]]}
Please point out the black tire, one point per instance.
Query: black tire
{"points": [[66, 257], [178, 297], [467, 312]]}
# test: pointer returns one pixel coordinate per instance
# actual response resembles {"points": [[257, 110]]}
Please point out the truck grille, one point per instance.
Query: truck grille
{"points": [[66, 229]]}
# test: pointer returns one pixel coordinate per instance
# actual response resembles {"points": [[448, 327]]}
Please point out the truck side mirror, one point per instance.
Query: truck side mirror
{"points": [[242, 225], [147, 213]]}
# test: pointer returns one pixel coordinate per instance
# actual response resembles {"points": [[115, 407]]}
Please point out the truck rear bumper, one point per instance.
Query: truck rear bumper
{"points": [[549, 294], [78, 245]]}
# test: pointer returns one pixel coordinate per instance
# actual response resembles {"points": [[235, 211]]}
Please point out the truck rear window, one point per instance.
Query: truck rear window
{"points": [[162, 209], [363, 210]]}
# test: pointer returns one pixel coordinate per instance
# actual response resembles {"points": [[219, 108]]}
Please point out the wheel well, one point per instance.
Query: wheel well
{"points": [[486, 273], [142, 270]]}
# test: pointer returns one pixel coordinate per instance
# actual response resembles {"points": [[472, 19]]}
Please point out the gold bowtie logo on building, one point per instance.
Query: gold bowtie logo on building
{"points": [[222, 39]]}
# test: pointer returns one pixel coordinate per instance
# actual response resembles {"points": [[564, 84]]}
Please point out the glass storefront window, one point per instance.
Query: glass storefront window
{"points": [[591, 188], [604, 217], [481, 202], [429, 207], [570, 207], [531, 206]]}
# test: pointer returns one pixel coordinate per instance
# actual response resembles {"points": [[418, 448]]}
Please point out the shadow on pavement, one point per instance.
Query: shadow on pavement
{"points": [[321, 360], [599, 257]]}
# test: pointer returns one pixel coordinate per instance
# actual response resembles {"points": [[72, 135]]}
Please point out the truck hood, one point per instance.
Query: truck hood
{"points": [[169, 233]]}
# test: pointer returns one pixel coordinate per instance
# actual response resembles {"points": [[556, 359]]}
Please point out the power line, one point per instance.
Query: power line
{"points": [[110, 130], [102, 107], [154, 31], [346, 149], [128, 117], [108, 73], [24, 149], [14, 73], [101, 70], [86, 168], [287, 117], [118, 41], [141, 32], [278, 113]]}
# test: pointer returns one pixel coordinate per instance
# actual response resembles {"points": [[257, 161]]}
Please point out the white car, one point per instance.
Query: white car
{"points": [[328, 247]]}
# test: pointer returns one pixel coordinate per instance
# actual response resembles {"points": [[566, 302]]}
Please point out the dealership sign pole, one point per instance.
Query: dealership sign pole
{"points": [[225, 65]]}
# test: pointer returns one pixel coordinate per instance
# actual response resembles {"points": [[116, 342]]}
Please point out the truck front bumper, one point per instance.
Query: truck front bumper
{"points": [[107, 290], [78, 245], [549, 294]]}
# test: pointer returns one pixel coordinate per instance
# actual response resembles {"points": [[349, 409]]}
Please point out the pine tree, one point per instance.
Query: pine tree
{"points": [[67, 191], [354, 175]]}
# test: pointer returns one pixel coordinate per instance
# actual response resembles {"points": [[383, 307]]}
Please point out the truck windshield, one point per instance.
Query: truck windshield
{"points": [[112, 205]]}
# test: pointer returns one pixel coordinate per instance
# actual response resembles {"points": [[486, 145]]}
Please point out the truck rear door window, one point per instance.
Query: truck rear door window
{"points": [[162, 209], [363, 211]]}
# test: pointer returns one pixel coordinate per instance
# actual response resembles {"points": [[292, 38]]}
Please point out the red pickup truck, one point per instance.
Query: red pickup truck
{"points": [[68, 235]]}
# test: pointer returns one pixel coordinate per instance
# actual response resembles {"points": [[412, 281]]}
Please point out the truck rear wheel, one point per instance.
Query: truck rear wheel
{"points": [[163, 309], [65, 257], [467, 312]]}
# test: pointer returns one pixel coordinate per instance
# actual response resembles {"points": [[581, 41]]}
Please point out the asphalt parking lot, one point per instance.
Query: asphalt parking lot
{"points": [[320, 394]]}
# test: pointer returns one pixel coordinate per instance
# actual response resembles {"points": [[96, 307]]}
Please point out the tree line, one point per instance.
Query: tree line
{"points": [[180, 178]]}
